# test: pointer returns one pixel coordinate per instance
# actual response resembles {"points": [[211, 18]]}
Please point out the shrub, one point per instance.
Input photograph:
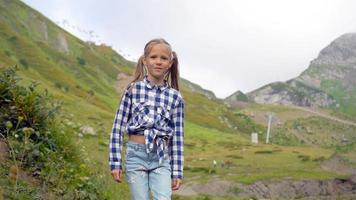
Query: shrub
{"points": [[58, 85], [304, 158], [264, 152], [37, 143], [81, 61], [321, 158], [7, 53], [24, 63], [235, 156]]}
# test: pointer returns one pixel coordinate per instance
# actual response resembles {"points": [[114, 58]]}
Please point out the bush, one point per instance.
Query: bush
{"points": [[304, 158], [264, 152], [39, 144], [81, 61], [7, 53], [24, 63]]}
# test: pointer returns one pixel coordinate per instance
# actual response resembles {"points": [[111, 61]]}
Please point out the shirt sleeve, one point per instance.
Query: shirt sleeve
{"points": [[117, 133], [176, 154]]}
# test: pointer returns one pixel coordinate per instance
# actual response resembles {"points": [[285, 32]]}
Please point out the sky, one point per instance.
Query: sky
{"points": [[222, 45]]}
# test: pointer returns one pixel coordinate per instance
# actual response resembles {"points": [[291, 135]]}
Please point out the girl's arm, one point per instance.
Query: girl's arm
{"points": [[176, 154], [117, 133]]}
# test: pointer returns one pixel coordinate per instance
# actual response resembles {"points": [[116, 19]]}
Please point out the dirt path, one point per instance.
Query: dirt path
{"points": [[325, 116]]}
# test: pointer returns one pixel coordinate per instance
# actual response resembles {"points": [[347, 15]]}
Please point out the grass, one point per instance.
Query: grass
{"points": [[315, 131], [242, 163], [249, 163], [246, 163], [212, 132], [345, 99]]}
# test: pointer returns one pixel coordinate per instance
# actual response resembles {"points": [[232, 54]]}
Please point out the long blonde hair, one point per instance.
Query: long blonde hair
{"points": [[172, 75]]}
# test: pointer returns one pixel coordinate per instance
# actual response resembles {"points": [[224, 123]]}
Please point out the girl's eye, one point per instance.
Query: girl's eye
{"points": [[154, 56], [164, 58]]}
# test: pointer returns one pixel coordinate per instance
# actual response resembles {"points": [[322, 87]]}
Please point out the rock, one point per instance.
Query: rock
{"points": [[353, 179], [289, 189], [282, 189], [61, 43], [87, 130]]}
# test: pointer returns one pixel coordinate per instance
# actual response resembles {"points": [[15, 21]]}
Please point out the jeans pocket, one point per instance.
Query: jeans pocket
{"points": [[129, 152]]}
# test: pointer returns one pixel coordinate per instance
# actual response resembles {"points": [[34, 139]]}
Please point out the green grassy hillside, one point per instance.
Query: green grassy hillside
{"points": [[296, 126], [345, 98], [84, 77]]}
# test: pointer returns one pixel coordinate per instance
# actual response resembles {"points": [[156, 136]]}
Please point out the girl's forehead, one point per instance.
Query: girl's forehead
{"points": [[162, 48]]}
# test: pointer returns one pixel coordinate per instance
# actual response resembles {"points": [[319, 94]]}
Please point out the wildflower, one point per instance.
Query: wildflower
{"points": [[27, 131], [8, 125], [20, 118]]}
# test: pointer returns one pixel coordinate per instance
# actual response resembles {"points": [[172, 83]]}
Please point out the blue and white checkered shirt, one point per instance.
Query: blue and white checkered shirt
{"points": [[157, 111]]}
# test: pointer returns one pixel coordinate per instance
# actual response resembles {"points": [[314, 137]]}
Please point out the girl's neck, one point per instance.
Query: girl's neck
{"points": [[155, 81]]}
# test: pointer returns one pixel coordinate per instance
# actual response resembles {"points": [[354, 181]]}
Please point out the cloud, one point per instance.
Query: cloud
{"points": [[241, 45]]}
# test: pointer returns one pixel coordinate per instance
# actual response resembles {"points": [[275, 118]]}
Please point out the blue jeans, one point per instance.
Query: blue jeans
{"points": [[144, 174]]}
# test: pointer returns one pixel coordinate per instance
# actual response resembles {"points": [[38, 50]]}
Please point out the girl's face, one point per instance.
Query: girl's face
{"points": [[158, 62]]}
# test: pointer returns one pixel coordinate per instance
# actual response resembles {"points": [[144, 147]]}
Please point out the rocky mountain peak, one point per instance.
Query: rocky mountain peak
{"points": [[329, 81], [340, 52]]}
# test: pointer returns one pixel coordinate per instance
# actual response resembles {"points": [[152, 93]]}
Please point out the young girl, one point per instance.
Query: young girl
{"points": [[152, 113]]}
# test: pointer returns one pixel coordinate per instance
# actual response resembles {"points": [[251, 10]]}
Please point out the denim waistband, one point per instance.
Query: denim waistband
{"points": [[136, 146]]}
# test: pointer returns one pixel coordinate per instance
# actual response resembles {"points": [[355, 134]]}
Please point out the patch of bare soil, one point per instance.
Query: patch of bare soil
{"points": [[214, 187], [281, 189], [338, 164]]}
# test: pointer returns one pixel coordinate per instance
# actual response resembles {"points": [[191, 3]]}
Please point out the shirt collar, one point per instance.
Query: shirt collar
{"points": [[151, 85]]}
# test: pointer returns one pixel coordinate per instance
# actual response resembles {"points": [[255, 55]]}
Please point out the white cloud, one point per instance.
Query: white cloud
{"points": [[224, 45]]}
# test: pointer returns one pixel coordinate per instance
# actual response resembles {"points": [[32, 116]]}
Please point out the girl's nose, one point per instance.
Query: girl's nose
{"points": [[159, 61]]}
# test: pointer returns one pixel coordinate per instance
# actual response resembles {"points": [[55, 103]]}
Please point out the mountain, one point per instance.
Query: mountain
{"points": [[82, 73], [334, 72], [328, 81], [198, 89], [89, 79], [291, 92], [237, 99]]}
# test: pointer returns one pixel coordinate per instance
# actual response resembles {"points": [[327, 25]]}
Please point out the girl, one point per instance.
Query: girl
{"points": [[152, 113]]}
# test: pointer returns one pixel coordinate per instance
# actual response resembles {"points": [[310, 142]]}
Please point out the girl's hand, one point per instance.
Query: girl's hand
{"points": [[117, 175], [176, 183]]}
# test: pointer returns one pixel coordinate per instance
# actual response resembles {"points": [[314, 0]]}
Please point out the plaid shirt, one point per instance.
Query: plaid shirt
{"points": [[157, 111]]}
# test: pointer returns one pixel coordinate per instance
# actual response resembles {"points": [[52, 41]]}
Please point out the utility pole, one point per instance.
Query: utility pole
{"points": [[270, 116]]}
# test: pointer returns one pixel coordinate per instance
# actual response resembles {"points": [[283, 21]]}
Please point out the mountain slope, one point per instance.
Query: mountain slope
{"points": [[328, 82], [334, 71], [80, 72], [88, 79]]}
